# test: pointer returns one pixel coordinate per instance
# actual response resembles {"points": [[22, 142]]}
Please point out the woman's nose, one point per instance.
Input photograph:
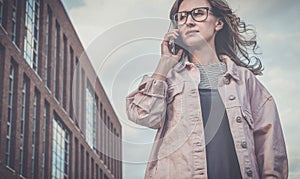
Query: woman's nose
{"points": [[190, 21]]}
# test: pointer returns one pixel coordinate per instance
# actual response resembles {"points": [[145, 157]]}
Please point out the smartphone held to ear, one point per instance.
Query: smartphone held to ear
{"points": [[173, 43], [172, 46]]}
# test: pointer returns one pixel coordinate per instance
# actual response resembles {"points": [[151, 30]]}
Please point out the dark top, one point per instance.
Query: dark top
{"points": [[222, 162]]}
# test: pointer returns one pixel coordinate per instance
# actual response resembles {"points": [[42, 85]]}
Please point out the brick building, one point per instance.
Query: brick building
{"points": [[55, 119]]}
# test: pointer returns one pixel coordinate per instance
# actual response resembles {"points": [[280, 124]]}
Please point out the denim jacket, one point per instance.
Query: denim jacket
{"points": [[173, 108]]}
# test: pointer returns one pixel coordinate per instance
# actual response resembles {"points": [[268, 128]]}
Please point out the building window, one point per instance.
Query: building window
{"points": [[105, 137], [90, 116], [101, 173], [101, 129], [47, 71], [15, 22], [71, 101], [56, 60], [22, 133], [60, 150], [108, 142], [64, 68], [77, 81], [105, 176], [34, 131], [92, 168], [119, 153], [97, 129], [3, 13], [97, 172], [101, 109], [31, 38], [87, 165], [111, 150], [11, 107], [45, 117], [76, 158], [82, 101], [81, 163], [115, 152]]}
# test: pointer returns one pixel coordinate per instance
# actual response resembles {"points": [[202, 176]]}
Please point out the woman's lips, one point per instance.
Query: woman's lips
{"points": [[191, 32]]}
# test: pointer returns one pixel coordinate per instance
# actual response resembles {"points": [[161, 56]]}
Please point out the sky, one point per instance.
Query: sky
{"points": [[122, 39]]}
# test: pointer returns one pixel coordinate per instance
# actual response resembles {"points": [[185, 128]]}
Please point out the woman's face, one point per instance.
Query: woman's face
{"points": [[196, 34]]}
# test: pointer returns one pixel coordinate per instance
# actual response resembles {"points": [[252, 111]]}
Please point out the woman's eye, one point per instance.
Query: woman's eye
{"points": [[198, 12], [183, 16]]}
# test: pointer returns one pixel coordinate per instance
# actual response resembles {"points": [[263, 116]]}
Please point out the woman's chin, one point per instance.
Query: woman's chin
{"points": [[195, 42]]}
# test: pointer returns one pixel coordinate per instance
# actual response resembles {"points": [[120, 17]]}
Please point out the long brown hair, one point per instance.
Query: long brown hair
{"points": [[235, 38]]}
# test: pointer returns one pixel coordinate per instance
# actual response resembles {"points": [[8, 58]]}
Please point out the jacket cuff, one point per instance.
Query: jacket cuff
{"points": [[153, 87]]}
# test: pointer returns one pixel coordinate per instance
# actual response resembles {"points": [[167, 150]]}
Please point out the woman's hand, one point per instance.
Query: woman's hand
{"points": [[167, 60]]}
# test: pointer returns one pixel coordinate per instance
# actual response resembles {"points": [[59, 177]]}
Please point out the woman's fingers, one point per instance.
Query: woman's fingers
{"points": [[179, 53], [176, 31], [168, 60], [165, 44], [169, 35]]}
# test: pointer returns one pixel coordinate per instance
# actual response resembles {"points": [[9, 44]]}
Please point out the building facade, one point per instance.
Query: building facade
{"points": [[55, 119]]}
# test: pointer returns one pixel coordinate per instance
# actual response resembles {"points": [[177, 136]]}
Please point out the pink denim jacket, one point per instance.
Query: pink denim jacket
{"points": [[173, 107]]}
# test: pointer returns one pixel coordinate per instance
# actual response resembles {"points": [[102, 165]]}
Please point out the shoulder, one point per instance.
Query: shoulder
{"points": [[174, 77], [257, 93], [249, 77], [245, 74], [245, 78]]}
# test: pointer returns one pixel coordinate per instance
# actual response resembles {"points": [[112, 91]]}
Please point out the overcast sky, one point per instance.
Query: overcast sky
{"points": [[123, 40]]}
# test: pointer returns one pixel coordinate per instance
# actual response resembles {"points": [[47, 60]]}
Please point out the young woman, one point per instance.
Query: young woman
{"points": [[214, 119]]}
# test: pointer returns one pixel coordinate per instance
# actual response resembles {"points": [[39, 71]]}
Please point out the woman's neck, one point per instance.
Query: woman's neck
{"points": [[204, 55]]}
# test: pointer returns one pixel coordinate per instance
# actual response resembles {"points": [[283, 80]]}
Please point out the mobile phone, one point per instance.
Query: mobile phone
{"points": [[173, 43], [172, 46]]}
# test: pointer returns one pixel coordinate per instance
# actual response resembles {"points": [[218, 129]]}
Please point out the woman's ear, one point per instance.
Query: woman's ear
{"points": [[219, 25]]}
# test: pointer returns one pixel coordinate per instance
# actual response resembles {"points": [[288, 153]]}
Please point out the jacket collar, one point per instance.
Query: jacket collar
{"points": [[231, 66]]}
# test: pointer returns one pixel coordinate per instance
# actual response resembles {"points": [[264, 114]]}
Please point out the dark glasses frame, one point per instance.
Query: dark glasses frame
{"points": [[191, 13]]}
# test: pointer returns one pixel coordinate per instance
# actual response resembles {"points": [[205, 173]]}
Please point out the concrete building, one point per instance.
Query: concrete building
{"points": [[55, 119]]}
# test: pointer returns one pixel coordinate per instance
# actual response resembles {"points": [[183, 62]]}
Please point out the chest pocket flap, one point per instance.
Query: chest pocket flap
{"points": [[174, 90], [248, 117]]}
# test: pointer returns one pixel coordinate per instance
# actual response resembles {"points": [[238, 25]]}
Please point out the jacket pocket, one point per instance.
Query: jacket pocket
{"points": [[247, 117], [174, 90]]}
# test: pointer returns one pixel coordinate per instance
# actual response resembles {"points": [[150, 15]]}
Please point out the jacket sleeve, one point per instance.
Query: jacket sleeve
{"points": [[146, 105], [269, 141]]}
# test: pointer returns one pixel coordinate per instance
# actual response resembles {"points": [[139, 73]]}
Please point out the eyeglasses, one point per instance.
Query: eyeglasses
{"points": [[198, 14]]}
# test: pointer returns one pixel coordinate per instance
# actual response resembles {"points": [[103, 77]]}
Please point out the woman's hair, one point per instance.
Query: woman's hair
{"points": [[232, 40]]}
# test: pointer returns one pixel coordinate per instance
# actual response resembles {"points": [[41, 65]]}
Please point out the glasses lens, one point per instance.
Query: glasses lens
{"points": [[199, 14], [180, 18]]}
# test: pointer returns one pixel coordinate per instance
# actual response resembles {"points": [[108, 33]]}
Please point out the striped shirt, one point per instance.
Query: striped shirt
{"points": [[209, 75]]}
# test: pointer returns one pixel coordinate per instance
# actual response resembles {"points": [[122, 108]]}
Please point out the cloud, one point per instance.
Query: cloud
{"points": [[97, 16], [70, 4]]}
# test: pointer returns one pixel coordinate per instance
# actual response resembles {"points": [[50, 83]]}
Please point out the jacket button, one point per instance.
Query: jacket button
{"points": [[249, 173], [194, 91], [231, 97], [239, 119], [198, 143], [226, 81], [244, 144]]}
